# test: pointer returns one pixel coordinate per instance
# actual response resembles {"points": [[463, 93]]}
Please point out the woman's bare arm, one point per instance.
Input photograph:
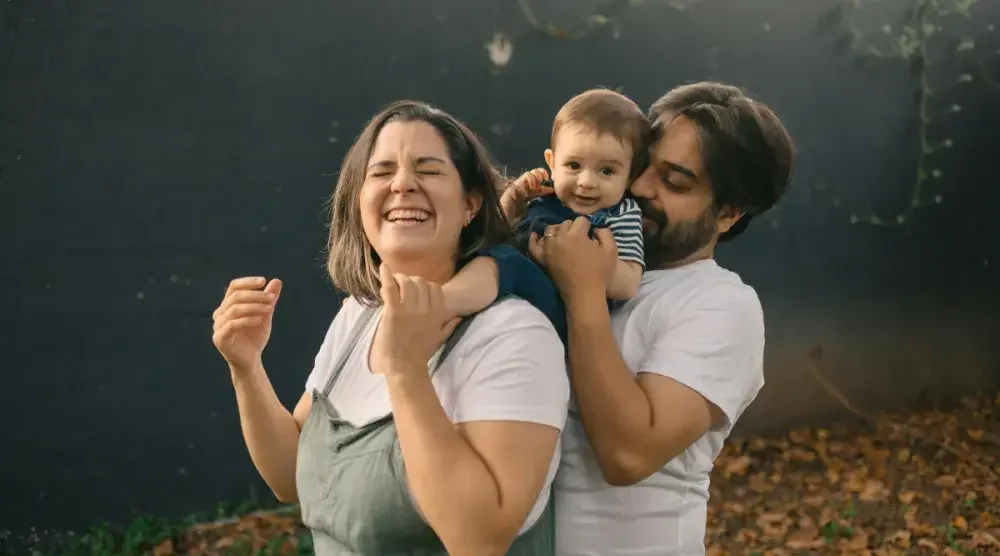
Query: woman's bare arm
{"points": [[476, 482], [270, 431]]}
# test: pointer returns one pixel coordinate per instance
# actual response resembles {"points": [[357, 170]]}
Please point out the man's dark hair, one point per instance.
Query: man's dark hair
{"points": [[746, 149]]}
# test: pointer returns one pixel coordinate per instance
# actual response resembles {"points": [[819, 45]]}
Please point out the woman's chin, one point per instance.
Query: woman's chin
{"points": [[400, 247]]}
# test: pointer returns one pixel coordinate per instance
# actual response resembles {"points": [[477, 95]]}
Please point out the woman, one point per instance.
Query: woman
{"points": [[385, 452]]}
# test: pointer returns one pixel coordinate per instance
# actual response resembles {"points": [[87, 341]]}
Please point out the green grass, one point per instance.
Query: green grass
{"points": [[143, 533]]}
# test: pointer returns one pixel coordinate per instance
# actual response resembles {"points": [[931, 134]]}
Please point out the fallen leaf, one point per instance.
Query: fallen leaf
{"points": [[907, 496], [734, 508], [981, 539], [737, 466], [946, 481], [760, 484], [873, 490], [900, 538], [799, 436], [165, 548], [987, 520], [806, 537], [746, 536], [774, 525], [857, 542], [815, 500]]}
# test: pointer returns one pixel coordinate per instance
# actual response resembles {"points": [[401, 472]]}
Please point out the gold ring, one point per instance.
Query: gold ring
{"points": [[549, 234]]}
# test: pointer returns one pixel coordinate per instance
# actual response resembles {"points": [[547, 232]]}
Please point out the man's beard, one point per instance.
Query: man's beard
{"points": [[668, 243]]}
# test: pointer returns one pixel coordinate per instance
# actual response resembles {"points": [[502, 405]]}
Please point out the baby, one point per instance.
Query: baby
{"points": [[598, 146]]}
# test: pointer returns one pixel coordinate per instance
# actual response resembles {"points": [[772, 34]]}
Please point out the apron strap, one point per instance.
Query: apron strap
{"points": [[456, 335], [367, 313]]}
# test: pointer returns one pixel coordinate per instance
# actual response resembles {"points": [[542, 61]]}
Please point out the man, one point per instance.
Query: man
{"points": [[659, 384]]}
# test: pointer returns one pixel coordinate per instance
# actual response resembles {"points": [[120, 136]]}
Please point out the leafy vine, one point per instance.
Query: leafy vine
{"points": [[921, 42], [603, 15], [606, 14]]}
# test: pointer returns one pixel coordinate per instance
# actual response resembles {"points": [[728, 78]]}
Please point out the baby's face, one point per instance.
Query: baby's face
{"points": [[589, 171]]}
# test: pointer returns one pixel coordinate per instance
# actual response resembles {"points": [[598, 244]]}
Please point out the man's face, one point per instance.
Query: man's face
{"points": [[680, 221]]}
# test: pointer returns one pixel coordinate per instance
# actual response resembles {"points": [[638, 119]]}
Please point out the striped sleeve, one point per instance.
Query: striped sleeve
{"points": [[626, 227]]}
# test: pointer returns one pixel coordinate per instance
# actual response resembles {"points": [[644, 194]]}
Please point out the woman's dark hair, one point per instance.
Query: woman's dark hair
{"points": [[746, 149], [351, 260]]}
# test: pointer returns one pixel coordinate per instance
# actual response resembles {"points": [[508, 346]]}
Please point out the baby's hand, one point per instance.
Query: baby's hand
{"points": [[531, 184]]}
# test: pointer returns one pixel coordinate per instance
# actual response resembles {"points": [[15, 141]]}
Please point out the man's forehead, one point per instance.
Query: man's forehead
{"points": [[678, 144]]}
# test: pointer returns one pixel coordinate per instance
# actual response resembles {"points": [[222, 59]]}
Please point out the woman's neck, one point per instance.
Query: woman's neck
{"points": [[439, 271]]}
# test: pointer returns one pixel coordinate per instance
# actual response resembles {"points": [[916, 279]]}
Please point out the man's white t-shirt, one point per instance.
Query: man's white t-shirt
{"points": [[703, 327], [508, 366]]}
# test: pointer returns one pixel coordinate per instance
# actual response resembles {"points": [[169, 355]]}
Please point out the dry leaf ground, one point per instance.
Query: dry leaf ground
{"points": [[903, 484], [918, 483]]}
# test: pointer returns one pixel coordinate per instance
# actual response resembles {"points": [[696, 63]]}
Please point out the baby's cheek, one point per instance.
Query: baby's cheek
{"points": [[615, 188], [562, 185]]}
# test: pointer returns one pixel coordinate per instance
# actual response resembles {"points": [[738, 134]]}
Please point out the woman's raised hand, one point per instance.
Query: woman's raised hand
{"points": [[415, 322], [242, 322]]}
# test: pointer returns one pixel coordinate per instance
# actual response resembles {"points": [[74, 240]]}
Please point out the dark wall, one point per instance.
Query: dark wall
{"points": [[149, 152]]}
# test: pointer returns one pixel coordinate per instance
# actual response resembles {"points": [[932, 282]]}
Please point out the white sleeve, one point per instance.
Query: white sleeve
{"points": [[714, 344], [335, 335], [515, 366]]}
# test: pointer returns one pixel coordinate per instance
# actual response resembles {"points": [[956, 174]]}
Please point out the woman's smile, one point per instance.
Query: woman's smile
{"points": [[407, 216]]}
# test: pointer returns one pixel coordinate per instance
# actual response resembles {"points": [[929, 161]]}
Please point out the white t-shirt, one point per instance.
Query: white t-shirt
{"points": [[509, 366], [702, 326]]}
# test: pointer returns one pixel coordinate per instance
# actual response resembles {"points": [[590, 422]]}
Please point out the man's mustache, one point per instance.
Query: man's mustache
{"points": [[653, 214]]}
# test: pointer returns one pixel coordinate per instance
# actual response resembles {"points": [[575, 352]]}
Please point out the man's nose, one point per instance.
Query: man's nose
{"points": [[644, 185]]}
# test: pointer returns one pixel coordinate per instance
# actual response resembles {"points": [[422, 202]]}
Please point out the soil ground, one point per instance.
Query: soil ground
{"points": [[903, 483]]}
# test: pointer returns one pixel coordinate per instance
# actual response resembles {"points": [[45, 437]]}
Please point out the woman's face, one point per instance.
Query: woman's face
{"points": [[413, 205]]}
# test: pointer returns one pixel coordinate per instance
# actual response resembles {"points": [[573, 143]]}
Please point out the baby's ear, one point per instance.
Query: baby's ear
{"points": [[549, 159]]}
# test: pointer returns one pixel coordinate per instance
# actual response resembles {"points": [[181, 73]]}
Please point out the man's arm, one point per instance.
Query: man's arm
{"points": [[637, 424]]}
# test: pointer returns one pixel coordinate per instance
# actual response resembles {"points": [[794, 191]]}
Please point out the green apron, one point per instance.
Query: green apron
{"points": [[351, 481]]}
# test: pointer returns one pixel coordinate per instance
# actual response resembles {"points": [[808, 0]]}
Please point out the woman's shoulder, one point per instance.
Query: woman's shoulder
{"points": [[343, 321], [510, 323], [511, 344], [512, 314]]}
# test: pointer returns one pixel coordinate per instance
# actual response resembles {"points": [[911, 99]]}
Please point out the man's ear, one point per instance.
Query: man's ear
{"points": [[728, 217]]}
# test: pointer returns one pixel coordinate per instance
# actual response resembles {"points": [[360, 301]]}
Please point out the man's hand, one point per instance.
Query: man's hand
{"points": [[578, 265]]}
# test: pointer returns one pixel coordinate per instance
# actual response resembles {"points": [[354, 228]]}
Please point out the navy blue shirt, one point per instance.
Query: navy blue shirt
{"points": [[521, 276]]}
